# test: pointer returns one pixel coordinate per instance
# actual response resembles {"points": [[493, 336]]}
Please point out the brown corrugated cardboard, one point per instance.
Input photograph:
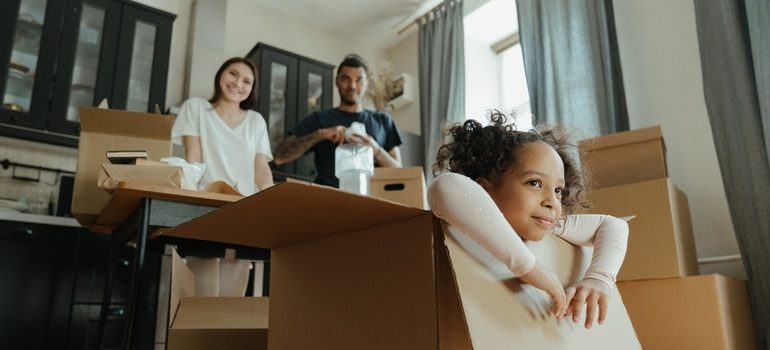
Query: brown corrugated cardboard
{"points": [[356, 272], [660, 242], [401, 185], [699, 312], [625, 157], [201, 323], [110, 175], [102, 130]]}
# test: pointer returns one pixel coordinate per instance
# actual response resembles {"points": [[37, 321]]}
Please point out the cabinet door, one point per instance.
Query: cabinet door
{"points": [[36, 280], [142, 60], [314, 91], [86, 61], [29, 32], [277, 100]]}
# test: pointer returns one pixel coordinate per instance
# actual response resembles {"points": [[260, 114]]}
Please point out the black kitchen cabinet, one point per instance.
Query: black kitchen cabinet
{"points": [[37, 269], [290, 87], [56, 56]]}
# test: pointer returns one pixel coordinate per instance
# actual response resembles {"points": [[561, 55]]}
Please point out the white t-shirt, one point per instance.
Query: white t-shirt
{"points": [[227, 152]]}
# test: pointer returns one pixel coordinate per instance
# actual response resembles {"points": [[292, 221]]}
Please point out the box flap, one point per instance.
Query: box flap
{"points": [[222, 313], [291, 213], [182, 284], [501, 311], [130, 124], [383, 173], [620, 138]]}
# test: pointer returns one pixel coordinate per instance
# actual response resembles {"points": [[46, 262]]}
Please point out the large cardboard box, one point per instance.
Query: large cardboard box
{"points": [[209, 323], [660, 242], [356, 272], [699, 312], [625, 157], [401, 185], [102, 130]]}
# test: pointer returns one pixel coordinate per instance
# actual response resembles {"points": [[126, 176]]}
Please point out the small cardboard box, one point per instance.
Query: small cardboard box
{"points": [[699, 312], [660, 242], [356, 272], [625, 157], [401, 185], [110, 175], [208, 323], [102, 130]]}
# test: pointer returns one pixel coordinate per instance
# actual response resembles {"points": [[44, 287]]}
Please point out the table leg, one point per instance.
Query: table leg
{"points": [[106, 294], [136, 279]]}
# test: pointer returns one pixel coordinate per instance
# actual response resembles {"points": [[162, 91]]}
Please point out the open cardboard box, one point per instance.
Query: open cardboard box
{"points": [[626, 157], [103, 130], [660, 242], [204, 323], [401, 185], [356, 272]]}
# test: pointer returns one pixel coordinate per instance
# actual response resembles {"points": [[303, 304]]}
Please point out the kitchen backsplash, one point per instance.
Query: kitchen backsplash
{"points": [[37, 192]]}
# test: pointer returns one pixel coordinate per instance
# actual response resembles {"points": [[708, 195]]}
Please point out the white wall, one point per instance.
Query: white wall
{"points": [[404, 58], [662, 76]]}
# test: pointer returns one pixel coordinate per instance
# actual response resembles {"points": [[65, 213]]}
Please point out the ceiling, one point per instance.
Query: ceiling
{"points": [[374, 21]]}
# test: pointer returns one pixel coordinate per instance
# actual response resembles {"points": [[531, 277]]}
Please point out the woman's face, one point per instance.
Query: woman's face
{"points": [[530, 194], [236, 82]]}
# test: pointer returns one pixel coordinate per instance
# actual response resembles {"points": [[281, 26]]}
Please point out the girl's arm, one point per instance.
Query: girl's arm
{"points": [[192, 149], [608, 236], [263, 177], [464, 204]]}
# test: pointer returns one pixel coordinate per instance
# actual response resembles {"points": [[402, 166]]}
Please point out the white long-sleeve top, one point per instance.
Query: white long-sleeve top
{"points": [[465, 205]]}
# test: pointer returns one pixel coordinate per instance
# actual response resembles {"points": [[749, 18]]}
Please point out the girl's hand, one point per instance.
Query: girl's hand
{"points": [[543, 279], [594, 294]]}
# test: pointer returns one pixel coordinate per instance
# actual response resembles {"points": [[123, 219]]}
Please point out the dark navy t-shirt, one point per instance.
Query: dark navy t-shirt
{"points": [[378, 124]]}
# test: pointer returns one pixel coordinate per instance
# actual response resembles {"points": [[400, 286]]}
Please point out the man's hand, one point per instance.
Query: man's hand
{"points": [[543, 279], [335, 134], [594, 294]]}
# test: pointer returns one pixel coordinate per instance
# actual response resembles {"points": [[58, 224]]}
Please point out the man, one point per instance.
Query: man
{"points": [[322, 131]]}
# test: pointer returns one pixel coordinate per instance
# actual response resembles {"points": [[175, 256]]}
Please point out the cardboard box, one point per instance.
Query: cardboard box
{"points": [[699, 312], [660, 242], [401, 185], [110, 175], [208, 323], [105, 129], [356, 272], [625, 157]]}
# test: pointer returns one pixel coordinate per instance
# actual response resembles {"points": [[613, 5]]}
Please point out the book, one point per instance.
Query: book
{"points": [[126, 157]]}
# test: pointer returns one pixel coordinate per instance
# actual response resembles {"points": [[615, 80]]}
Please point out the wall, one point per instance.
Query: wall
{"points": [[662, 75], [482, 88], [403, 56]]}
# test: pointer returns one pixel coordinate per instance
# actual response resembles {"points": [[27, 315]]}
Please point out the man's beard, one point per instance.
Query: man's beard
{"points": [[348, 102]]}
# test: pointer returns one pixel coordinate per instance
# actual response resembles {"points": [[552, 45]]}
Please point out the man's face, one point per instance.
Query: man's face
{"points": [[351, 83]]}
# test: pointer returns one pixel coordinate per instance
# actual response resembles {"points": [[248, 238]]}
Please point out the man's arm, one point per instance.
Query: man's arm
{"points": [[293, 147]]}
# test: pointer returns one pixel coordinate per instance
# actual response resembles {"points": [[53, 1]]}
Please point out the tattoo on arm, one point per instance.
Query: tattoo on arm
{"points": [[293, 147]]}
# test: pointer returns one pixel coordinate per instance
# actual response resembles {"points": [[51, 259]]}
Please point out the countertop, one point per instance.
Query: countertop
{"points": [[39, 219]]}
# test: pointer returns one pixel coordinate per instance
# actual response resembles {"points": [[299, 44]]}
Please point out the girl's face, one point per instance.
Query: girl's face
{"points": [[530, 194], [236, 82]]}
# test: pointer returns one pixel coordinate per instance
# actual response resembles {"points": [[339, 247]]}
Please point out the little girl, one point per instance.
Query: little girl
{"points": [[506, 186]]}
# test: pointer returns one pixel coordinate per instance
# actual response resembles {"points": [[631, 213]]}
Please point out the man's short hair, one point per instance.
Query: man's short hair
{"points": [[354, 61]]}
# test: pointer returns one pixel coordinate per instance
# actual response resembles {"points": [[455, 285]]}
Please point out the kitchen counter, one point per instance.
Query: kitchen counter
{"points": [[39, 219]]}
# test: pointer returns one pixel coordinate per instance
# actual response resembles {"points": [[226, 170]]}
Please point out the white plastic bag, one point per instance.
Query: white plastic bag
{"points": [[191, 173]]}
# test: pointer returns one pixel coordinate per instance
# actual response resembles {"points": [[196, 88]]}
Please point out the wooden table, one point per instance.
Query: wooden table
{"points": [[130, 215]]}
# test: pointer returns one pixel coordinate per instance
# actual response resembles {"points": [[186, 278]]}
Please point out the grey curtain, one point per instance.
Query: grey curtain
{"points": [[442, 74], [733, 37], [572, 64]]}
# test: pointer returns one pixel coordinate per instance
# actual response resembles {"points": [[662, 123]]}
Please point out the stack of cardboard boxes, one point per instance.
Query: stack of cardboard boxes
{"points": [[670, 306]]}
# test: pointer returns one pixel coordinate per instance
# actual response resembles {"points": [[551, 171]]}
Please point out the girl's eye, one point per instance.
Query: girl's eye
{"points": [[559, 191], [535, 183]]}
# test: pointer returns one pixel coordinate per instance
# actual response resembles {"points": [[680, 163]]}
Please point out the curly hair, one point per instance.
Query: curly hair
{"points": [[492, 151]]}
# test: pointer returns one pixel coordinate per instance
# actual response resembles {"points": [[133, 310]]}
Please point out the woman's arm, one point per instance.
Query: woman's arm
{"points": [[263, 177], [192, 149], [464, 204]]}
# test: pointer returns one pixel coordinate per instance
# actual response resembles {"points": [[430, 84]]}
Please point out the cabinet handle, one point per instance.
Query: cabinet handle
{"points": [[122, 263], [117, 312], [22, 231]]}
